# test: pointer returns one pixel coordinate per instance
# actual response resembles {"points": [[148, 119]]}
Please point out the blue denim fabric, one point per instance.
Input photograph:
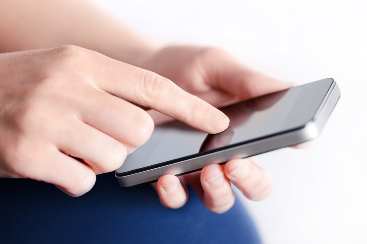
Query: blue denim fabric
{"points": [[36, 212]]}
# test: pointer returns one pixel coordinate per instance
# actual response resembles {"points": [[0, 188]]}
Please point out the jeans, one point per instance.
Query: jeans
{"points": [[36, 212]]}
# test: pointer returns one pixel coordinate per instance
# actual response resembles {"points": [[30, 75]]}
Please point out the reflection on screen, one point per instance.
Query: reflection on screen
{"points": [[249, 120]]}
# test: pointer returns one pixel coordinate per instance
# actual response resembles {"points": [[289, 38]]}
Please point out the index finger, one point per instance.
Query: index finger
{"points": [[151, 90]]}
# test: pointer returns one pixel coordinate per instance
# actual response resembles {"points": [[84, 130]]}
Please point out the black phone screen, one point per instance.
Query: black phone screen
{"points": [[249, 120]]}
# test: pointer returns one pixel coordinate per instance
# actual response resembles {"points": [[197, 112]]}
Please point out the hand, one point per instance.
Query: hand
{"points": [[69, 113], [214, 76]]}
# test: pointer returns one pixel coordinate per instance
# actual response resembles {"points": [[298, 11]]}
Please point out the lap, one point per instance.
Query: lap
{"points": [[36, 212]]}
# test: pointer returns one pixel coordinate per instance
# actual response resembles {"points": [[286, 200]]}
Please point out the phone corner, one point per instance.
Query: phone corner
{"points": [[121, 181], [310, 130]]}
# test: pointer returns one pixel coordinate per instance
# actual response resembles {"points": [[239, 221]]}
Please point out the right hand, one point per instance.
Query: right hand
{"points": [[68, 103]]}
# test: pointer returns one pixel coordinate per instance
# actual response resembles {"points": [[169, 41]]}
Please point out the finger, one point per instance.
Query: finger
{"points": [[182, 181], [158, 117], [218, 194], [249, 84], [100, 151], [304, 145], [154, 91], [117, 118], [237, 79], [254, 182], [171, 193], [193, 179], [69, 175]]}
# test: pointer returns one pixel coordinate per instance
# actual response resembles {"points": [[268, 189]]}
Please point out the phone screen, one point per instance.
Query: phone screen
{"points": [[249, 120]]}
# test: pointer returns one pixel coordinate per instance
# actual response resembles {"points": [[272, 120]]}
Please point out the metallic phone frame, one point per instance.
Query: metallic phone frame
{"points": [[189, 164]]}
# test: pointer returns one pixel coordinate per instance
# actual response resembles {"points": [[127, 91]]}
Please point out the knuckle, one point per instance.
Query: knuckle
{"points": [[29, 113], [27, 158], [67, 57], [14, 158], [31, 117], [192, 111], [18, 113], [67, 52], [154, 86], [18, 167]]}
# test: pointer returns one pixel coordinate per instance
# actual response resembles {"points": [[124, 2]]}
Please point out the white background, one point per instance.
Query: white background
{"points": [[320, 194]]}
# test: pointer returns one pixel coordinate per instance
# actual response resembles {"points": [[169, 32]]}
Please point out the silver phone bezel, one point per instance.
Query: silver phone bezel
{"points": [[309, 131]]}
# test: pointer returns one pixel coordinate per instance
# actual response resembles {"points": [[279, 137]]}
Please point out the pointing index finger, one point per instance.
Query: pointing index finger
{"points": [[151, 90]]}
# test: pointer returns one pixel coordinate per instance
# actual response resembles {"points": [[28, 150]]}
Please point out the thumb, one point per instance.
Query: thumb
{"points": [[232, 77]]}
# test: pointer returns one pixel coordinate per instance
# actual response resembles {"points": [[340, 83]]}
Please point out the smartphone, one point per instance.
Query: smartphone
{"points": [[259, 125]]}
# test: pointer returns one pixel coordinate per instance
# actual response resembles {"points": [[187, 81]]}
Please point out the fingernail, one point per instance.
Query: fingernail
{"points": [[242, 171], [170, 187], [216, 180], [219, 121]]}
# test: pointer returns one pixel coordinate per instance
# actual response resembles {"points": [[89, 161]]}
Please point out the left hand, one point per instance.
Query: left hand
{"points": [[217, 78]]}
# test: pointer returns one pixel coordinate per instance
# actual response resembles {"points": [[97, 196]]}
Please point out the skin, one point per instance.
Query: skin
{"points": [[72, 102], [69, 113], [213, 75]]}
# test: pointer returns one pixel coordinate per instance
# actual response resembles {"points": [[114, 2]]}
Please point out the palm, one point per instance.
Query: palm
{"points": [[211, 74], [215, 77]]}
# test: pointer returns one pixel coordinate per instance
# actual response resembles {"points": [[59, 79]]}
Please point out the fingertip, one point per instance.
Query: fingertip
{"points": [[254, 182], [171, 192], [75, 193], [219, 121], [218, 196], [70, 193], [224, 208], [264, 191], [82, 184]]}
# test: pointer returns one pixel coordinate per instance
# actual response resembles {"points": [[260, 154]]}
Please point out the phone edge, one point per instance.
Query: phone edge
{"points": [[308, 132]]}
